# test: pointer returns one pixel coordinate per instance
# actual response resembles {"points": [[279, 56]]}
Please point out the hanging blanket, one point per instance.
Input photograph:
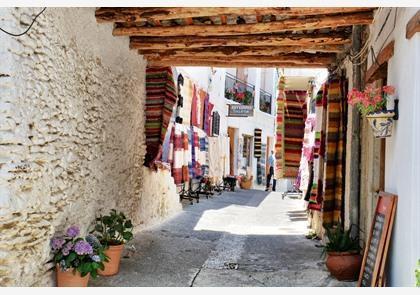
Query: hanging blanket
{"points": [[315, 200], [180, 154], [160, 102], [294, 130], [279, 145], [333, 189]]}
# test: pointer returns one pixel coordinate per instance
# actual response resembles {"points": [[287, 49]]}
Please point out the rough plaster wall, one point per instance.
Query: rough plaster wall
{"points": [[71, 134], [158, 199]]}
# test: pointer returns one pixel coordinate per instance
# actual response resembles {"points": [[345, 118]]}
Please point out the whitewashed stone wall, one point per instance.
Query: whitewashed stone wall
{"points": [[71, 135]]}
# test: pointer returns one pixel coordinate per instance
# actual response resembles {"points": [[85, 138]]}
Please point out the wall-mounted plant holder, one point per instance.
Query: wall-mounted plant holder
{"points": [[382, 121]]}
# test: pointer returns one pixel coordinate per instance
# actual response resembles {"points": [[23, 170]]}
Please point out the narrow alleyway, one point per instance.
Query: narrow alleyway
{"points": [[242, 238]]}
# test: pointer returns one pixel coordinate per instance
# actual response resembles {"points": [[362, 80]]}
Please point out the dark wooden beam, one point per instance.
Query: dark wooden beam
{"points": [[161, 43], [292, 24], [240, 51], [231, 64], [413, 26], [382, 58], [138, 14]]}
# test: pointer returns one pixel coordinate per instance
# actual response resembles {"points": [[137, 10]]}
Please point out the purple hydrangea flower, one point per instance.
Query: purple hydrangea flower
{"points": [[95, 258], [73, 231], [57, 243], [83, 248], [67, 248]]}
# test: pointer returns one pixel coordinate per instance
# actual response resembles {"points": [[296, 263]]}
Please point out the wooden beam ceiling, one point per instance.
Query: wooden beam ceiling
{"points": [[138, 14], [237, 36], [293, 24]]}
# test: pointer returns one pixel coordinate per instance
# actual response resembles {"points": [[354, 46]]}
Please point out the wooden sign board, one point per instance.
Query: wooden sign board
{"points": [[374, 259], [240, 110]]}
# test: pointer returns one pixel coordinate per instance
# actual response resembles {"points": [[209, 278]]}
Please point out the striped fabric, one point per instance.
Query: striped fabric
{"points": [[257, 143], [315, 201], [333, 189], [294, 118], [160, 102], [279, 145], [187, 94], [180, 153]]}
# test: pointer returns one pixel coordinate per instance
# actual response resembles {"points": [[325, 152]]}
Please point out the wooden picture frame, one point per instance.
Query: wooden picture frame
{"points": [[376, 250]]}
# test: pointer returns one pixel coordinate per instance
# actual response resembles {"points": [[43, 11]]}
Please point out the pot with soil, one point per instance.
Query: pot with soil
{"points": [[343, 254], [113, 231]]}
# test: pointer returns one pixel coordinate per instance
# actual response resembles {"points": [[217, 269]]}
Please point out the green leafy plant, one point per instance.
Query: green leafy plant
{"points": [[418, 274], [85, 255], [113, 229], [340, 240]]}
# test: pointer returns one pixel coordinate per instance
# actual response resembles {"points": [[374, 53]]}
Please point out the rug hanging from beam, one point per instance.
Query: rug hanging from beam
{"points": [[315, 200], [333, 184], [257, 143], [294, 126], [160, 101], [279, 144]]}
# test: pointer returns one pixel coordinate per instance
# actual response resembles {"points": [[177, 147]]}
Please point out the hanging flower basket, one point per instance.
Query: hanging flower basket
{"points": [[381, 123], [371, 103]]}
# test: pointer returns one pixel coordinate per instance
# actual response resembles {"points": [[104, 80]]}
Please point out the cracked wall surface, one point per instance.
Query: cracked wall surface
{"points": [[71, 135]]}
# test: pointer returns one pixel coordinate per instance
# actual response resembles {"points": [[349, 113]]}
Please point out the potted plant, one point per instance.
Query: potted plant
{"points": [[113, 231], [245, 181], [372, 104], [343, 254], [77, 258], [418, 274]]}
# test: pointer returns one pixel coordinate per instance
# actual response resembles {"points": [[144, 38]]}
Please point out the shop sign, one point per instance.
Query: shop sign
{"points": [[239, 110]]}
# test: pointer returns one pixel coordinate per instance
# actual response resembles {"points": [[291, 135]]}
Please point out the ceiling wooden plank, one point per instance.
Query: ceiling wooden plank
{"points": [[232, 64], [301, 58], [241, 51], [244, 29], [413, 25], [157, 43], [137, 14]]}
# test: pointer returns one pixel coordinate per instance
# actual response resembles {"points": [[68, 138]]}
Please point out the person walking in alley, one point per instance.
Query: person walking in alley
{"points": [[271, 163]]}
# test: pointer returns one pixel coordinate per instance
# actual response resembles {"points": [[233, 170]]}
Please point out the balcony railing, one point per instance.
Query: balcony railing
{"points": [[239, 91], [265, 101]]}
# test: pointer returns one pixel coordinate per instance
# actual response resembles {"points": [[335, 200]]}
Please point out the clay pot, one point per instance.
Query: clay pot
{"points": [[381, 123], [246, 184], [344, 266], [71, 279], [113, 265]]}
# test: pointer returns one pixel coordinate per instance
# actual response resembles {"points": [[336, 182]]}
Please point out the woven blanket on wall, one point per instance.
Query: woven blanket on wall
{"points": [[186, 91], [257, 143], [315, 200], [160, 101], [180, 153], [294, 125], [333, 177], [279, 144]]}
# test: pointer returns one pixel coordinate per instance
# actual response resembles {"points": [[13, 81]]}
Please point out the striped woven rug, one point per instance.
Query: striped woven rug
{"points": [[160, 101], [279, 145], [294, 125]]}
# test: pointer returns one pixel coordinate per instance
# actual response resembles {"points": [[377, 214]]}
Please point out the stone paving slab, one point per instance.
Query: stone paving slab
{"points": [[240, 239]]}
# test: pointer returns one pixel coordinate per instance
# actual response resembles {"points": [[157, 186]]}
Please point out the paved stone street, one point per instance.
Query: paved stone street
{"points": [[243, 238]]}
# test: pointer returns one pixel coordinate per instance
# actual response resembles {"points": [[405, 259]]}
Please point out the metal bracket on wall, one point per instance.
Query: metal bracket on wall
{"points": [[396, 112]]}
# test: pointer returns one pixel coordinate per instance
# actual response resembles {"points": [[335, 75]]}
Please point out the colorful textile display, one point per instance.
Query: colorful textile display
{"points": [[160, 101], [315, 200], [186, 91], [333, 189], [307, 152], [279, 145], [180, 153], [257, 143], [294, 126]]}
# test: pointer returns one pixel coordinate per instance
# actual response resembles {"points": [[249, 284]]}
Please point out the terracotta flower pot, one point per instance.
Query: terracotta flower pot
{"points": [[246, 184], [344, 266], [113, 265], [71, 279]]}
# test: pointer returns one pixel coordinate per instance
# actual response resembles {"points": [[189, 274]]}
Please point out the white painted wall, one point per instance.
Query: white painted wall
{"points": [[402, 172]]}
